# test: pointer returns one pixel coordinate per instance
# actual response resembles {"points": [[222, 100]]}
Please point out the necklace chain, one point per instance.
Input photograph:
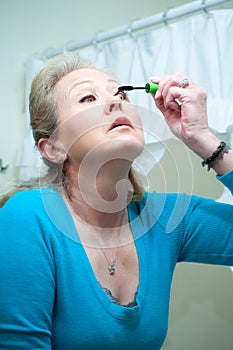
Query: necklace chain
{"points": [[112, 263]]}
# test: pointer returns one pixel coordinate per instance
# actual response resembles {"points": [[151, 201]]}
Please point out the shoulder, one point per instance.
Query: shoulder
{"points": [[158, 202], [20, 204], [22, 196], [25, 223], [27, 199], [166, 209], [25, 207], [39, 212]]}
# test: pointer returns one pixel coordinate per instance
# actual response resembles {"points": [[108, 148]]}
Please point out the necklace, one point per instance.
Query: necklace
{"points": [[111, 265], [112, 262]]}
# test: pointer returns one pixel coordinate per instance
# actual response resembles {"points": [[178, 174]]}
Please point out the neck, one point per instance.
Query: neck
{"points": [[100, 197]]}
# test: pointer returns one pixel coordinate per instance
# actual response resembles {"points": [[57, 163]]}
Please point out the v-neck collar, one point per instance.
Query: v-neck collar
{"points": [[61, 217]]}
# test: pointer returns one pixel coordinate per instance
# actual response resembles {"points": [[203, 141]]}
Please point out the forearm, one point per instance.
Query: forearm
{"points": [[204, 145], [188, 119]]}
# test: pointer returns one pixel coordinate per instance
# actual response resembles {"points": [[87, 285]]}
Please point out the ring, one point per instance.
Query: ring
{"points": [[185, 82]]}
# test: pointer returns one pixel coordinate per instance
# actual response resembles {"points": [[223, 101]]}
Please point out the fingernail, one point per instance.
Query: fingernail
{"points": [[154, 79]]}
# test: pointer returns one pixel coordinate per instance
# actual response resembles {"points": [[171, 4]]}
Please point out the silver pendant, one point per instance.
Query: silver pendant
{"points": [[111, 268]]}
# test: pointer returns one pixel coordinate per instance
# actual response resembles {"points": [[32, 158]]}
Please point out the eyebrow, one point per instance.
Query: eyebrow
{"points": [[90, 82]]}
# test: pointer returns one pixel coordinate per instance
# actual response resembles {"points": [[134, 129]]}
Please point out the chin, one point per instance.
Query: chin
{"points": [[125, 147]]}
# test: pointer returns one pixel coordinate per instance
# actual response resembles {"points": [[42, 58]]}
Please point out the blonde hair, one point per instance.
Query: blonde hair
{"points": [[44, 119]]}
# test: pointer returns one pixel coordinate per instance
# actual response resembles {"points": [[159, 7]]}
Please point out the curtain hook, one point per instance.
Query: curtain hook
{"points": [[130, 31], [95, 42], [203, 6], [164, 17]]}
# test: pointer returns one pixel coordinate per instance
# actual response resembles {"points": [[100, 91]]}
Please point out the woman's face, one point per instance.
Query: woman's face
{"points": [[95, 118]]}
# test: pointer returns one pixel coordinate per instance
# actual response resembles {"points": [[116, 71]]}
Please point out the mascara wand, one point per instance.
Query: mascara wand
{"points": [[149, 88]]}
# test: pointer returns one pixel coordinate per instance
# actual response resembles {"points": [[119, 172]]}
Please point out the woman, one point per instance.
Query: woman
{"points": [[87, 257]]}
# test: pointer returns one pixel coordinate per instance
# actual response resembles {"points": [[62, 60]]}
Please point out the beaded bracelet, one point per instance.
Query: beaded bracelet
{"points": [[218, 154]]}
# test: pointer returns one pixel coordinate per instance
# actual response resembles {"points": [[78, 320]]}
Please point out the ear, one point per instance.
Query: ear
{"points": [[51, 152]]}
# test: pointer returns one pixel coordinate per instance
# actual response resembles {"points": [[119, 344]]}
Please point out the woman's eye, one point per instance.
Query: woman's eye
{"points": [[87, 99], [122, 94]]}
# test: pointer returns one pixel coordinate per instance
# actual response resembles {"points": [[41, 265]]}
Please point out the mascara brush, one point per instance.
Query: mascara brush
{"points": [[149, 88]]}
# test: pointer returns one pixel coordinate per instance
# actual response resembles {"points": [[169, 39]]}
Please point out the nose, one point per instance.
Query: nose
{"points": [[113, 103]]}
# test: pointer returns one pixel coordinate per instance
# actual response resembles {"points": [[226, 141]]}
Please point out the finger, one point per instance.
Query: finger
{"points": [[178, 80], [162, 97], [178, 88], [174, 98], [159, 96]]}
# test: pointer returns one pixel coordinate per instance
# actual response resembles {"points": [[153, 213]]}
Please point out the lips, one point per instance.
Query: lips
{"points": [[120, 121]]}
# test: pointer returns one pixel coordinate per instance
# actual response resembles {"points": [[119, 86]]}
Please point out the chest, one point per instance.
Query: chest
{"points": [[116, 269], [91, 320]]}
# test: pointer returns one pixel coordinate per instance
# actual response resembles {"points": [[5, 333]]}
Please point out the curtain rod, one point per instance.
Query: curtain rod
{"points": [[136, 25]]}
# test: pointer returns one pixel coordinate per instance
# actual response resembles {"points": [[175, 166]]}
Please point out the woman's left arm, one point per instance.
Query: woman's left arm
{"points": [[183, 104]]}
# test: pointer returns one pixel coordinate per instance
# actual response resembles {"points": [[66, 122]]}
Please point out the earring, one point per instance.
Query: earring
{"points": [[61, 158]]}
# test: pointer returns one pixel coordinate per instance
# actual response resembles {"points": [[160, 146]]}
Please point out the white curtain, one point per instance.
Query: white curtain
{"points": [[200, 46]]}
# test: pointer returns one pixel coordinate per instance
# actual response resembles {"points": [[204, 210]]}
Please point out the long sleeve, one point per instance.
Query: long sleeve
{"points": [[227, 180], [27, 282], [208, 230], [201, 228], [208, 233]]}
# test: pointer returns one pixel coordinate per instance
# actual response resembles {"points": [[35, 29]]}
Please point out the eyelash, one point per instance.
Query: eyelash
{"points": [[86, 97], [120, 93]]}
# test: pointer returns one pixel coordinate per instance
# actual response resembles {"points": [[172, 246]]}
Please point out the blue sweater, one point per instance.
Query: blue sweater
{"points": [[49, 296]]}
